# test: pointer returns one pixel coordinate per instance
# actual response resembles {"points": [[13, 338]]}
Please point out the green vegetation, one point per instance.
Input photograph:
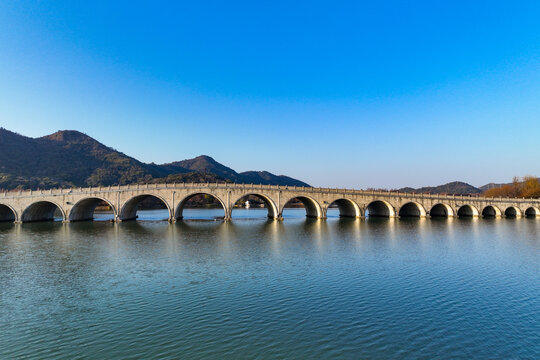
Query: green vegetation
{"points": [[191, 177], [456, 187], [71, 158]]}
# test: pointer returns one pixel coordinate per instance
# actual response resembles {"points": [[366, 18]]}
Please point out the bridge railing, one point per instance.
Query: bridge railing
{"points": [[300, 189]]}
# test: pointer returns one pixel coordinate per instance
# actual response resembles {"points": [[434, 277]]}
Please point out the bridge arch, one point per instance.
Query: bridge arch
{"points": [[313, 209], [512, 212], [491, 211], [42, 211], [128, 211], [268, 202], [179, 211], [84, 209], [412, 209], [380, 208], [347, 208], [532, 211], [441, 210], [7, 213], [467, 210]]}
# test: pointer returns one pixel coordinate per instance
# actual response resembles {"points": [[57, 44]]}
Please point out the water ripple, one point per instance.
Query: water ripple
{"points": [[247, 289]]}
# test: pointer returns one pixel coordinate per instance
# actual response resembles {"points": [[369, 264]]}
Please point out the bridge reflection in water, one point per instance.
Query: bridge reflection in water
{"points": [[300, 288]]}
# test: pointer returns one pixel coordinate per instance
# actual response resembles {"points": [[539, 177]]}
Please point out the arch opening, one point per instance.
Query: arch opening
{"points": [[86, 209], [441, 210], [412, 209], [379, 208], [490, 212], [42, 211], [532, 212], [312, 208], [512, 212], [6, 214], [145, 208], [467, 211], [201, 206], [345, 207], [254, 206]]}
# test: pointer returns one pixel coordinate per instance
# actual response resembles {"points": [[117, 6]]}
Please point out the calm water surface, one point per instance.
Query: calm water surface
{"points": [[253, 288]]}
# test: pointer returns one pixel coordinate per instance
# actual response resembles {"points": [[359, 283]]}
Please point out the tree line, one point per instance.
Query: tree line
{"points": [[525, 187]]}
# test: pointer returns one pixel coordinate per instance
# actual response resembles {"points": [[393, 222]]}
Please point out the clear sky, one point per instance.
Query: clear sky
{"points": [[335, 93]]}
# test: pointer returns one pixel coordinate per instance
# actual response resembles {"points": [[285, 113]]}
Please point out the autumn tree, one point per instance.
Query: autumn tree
{"points": [[530, 187], [527, 187]]}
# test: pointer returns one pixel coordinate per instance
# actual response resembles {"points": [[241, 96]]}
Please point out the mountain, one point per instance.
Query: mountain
{"points": [[456, 187], [491, 186], [71, 158], [65, 158], [205, 164], [264, 177]]}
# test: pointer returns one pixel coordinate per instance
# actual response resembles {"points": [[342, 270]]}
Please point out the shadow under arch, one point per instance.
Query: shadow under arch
{"points": [[532, 212], [42, 211], [466, 211], [84, 209], [268, 202], [412, 209], [347, 208], [312, 207], [7, 213], [199, 226], [512, 212], [380, 208], [441, 210], [179, 211], [491, 211], [129, 209]]}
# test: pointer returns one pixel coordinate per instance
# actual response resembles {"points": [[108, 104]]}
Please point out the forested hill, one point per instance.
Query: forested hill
{"points": [[456, 187], [71, 158]]}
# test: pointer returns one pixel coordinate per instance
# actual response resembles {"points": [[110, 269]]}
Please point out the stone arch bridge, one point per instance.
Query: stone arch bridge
{"points": [[78, 204]]}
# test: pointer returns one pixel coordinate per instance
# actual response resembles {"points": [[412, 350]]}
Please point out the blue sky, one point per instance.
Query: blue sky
{"points": [[341, 94]]}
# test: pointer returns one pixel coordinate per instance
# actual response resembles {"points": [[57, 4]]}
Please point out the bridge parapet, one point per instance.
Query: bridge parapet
{"points": [[129, 187]]}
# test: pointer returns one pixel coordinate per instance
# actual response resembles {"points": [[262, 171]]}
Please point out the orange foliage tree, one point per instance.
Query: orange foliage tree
{"points": [[527, 187]]}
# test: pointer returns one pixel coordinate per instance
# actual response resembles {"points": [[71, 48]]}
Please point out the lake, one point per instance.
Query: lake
{"points": [[264, 289]]}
